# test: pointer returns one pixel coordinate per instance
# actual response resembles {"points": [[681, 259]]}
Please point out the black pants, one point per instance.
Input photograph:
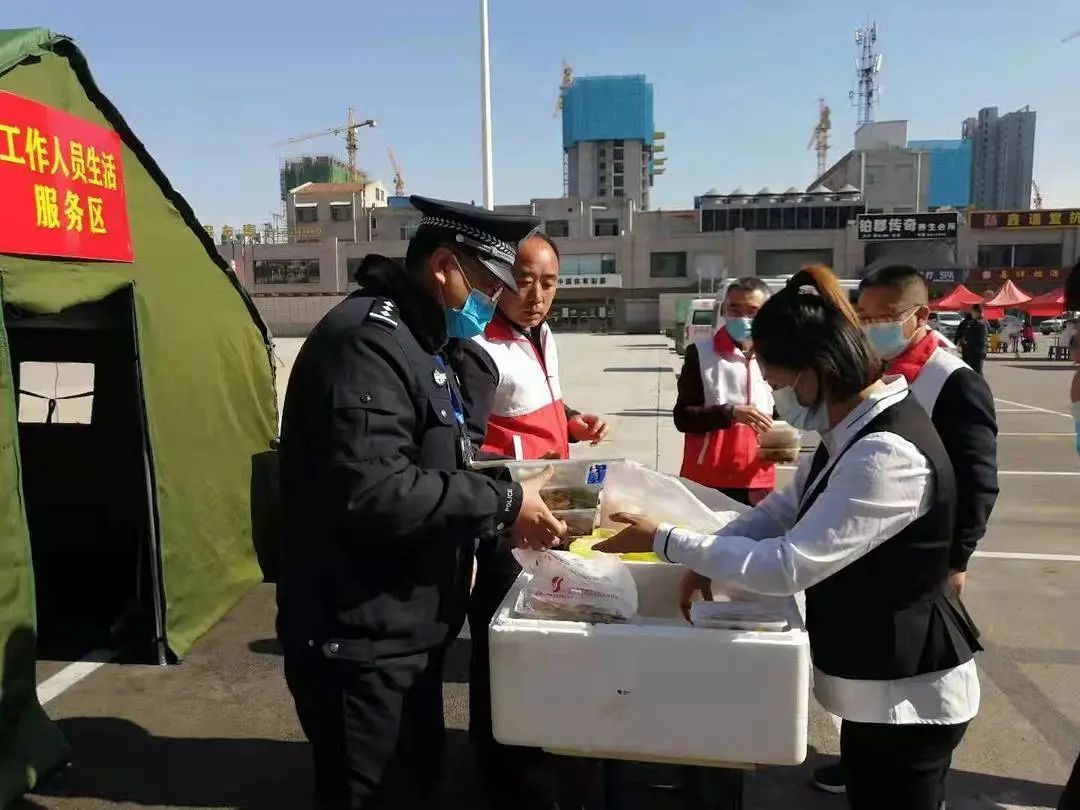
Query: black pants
{"points": [[897, 767], [376, 729], [976, 362]]}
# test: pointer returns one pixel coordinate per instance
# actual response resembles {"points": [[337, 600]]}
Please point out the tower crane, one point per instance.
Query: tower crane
{"points": [[567, 80], [399, 180], [1036, 196], [820, 138], [351, 140]]}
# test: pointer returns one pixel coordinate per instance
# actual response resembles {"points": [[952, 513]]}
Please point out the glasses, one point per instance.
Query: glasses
{"points": [[902, 316], [492, 290]]}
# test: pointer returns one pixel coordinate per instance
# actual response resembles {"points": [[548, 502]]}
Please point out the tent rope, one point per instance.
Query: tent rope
{"points": [[53, 401]]}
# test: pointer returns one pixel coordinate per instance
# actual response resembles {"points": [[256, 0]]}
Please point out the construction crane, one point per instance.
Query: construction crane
{"points": [[399, 180], [820, 138], [567, 80], [1036, 196], [351, 140]]}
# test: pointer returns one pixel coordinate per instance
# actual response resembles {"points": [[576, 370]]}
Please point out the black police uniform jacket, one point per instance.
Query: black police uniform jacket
{"points": [[380, 519]]}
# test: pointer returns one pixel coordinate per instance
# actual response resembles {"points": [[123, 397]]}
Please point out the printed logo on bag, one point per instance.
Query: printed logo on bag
{"points": [[556, 584], [596, 474]]}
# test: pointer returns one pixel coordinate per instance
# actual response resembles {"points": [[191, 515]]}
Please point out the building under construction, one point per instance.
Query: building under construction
{"points": [[296, 171]]}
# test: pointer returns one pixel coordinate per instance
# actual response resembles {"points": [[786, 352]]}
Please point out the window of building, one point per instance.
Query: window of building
{"points": [[617, 143], [994, 256], [601, 192], [308, 212], [618, 192], [875, 175], [1045, 255], [773, 263], [286, 271], [618, 167], [408, 232], [56, 393], [606, 227], [557, 227], [618, 154], [668, 265], [588, 264], [341, 212], [603, 166], [602, 152]]}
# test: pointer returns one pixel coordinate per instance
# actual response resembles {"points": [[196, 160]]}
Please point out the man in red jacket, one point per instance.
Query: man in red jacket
{"points": [[514, 408], [724, 403]]}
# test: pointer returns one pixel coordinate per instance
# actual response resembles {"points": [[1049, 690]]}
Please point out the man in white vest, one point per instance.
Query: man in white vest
{"points": [[724, 403], [514, 408]]}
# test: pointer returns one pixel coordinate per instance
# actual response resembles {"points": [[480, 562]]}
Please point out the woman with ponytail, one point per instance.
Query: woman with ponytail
{"points": [[865, 530]]}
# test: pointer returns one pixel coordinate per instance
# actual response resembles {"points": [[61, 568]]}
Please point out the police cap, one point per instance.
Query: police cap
{"points": [[492, 238]]}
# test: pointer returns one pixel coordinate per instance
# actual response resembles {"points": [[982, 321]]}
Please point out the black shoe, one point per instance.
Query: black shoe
{"points": [[829, 778]]}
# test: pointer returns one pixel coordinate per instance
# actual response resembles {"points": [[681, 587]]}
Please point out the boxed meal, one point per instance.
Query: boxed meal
{"points": [[781, 443]]}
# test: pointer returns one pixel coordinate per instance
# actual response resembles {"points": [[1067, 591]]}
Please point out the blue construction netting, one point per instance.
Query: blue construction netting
{"points": [[950, 171], [604, 108]]}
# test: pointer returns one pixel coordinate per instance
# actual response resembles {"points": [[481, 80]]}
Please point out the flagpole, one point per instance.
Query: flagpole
{"points": [[485, 106]]}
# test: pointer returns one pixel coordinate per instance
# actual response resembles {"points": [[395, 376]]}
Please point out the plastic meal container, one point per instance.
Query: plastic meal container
{"points": [[655, 688]]}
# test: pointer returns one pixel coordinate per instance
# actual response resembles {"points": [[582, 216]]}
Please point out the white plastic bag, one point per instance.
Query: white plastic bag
{"points": [[632, 487], [563, 585]]}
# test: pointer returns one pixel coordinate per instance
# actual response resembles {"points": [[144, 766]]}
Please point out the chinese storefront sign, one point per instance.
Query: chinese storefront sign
{"points": [[1018, 274], [1061, 218], [883, 227], [61, 185]]}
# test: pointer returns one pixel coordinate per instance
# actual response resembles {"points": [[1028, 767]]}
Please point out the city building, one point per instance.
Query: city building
{"points": [[950, 172], [892, 176], [609, 142], [620, 263], [311, 169], [1002, 158]]}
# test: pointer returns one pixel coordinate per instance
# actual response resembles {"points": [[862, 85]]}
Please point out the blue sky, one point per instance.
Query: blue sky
{"points": [[210, 86]]}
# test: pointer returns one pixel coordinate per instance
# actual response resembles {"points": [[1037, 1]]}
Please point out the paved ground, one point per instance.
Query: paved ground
{"points": [[218, 731]]}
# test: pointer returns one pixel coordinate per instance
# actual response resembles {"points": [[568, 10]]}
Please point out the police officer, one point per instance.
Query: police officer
{"points": [[382, 516]]}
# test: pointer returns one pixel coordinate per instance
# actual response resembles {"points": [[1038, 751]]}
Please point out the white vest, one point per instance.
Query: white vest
{"points": [[727, 379]]}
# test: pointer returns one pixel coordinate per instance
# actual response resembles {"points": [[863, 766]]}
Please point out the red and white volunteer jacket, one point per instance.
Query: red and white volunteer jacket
{"points": [[528, 401], [727, 457]]}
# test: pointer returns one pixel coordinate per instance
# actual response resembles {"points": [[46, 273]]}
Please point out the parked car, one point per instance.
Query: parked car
{"points": [[700, 323], [1051, 325], [945, 322]]}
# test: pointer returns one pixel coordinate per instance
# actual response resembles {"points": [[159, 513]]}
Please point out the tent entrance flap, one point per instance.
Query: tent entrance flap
{"points": [[89, 499]]}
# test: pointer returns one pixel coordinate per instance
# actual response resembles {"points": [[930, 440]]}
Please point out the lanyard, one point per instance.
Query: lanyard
{"points": [[455, 401]]}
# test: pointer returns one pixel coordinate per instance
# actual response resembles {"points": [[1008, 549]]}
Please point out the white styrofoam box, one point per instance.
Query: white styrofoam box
{"points": [[652, 689]]}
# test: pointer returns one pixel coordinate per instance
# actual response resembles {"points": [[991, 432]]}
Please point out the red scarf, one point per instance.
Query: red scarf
{"points": [[914, 357]]}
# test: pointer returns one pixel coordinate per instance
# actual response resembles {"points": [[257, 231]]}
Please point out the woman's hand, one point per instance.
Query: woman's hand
{"points": [[693, 583], [636, 537]]}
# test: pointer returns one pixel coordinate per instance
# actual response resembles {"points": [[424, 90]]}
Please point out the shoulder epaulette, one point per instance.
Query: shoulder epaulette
{"points": [[383, 312]]}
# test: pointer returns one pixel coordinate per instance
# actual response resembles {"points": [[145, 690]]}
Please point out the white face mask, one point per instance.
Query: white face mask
{"points": [[799, 416]]}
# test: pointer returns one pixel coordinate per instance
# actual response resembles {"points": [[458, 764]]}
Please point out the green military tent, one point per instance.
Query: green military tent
{"points": [[135, 517]]}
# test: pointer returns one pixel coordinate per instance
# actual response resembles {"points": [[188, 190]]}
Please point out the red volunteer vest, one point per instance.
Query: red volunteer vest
{"points": [[728, 458], [528, 400]]}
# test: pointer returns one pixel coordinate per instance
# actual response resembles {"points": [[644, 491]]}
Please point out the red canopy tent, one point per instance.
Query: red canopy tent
{"points": [[1046, 305], [959, 298], [1008, 297]]}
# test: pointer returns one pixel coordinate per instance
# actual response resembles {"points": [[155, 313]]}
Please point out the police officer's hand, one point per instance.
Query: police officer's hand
{"points": [[535, 526]]}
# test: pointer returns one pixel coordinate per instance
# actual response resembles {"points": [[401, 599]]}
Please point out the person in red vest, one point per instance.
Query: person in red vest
{"points": [[724, 403], [509, 379], [510, 374]]}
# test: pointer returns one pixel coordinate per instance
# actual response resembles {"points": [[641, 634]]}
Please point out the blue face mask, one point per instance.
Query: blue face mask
{"points": [[799, 416], [887, 338], [738, 328], [473, 317]]}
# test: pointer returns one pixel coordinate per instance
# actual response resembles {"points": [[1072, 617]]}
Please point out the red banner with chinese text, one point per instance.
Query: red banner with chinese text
{"points": [[61, 185]]}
